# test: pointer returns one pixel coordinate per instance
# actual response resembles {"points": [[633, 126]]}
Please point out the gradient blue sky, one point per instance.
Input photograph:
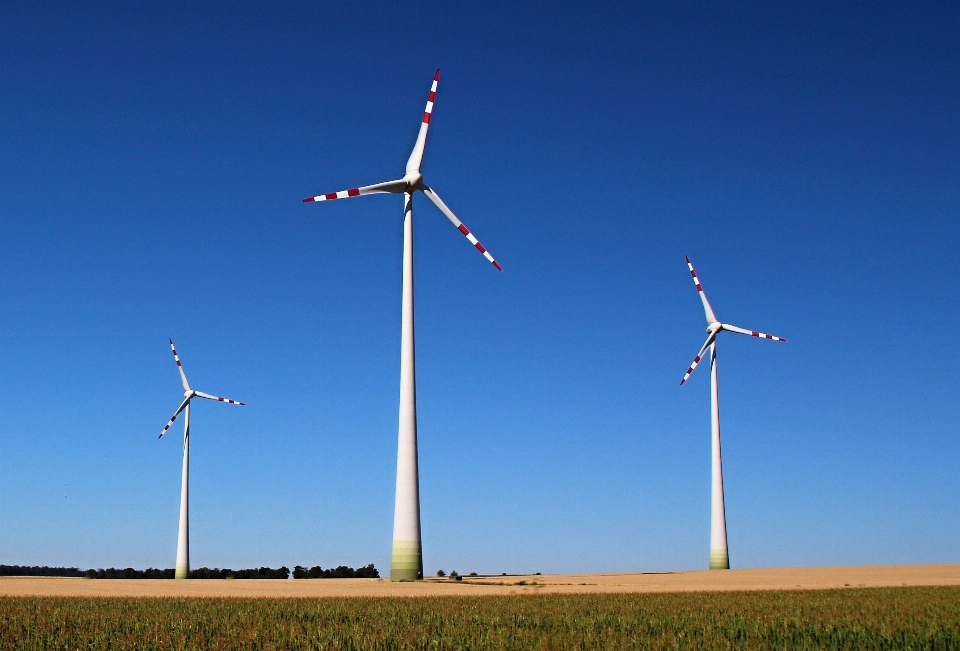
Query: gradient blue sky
{"points": [[806, 157]]}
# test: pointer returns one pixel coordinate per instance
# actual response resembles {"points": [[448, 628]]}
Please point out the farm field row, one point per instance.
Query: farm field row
{"points": [[851, 618]]}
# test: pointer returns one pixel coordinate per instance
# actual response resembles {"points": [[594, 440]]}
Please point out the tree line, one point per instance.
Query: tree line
{"points": [[299, 572], [38, 570], [149, 573], [226, 573], [341, 572]]}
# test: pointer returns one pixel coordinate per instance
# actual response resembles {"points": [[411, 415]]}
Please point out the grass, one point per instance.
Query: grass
{"points": [[884, 618]]}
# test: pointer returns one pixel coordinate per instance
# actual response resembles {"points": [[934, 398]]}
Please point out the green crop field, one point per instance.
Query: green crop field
{"points": [[894, 618]]}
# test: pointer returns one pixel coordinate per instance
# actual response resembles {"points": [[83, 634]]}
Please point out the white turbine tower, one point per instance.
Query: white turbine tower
{"points": [[407, 559], [719, 557], [183, 536]]}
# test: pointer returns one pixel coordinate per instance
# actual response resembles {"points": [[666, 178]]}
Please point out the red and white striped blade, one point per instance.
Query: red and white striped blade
{"points": [[432, 196], [696, 360], [183, 376], [395, 187], [708, 311], [752, 333], [416, 156], [217, 398], [174, 417]]}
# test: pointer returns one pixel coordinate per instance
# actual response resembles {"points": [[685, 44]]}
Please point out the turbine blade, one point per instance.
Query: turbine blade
{"points": [[696, 360], [708, 311], [200, 394], [183, 376], [174, 417], [752, 333], [416, 156], [432, 196], [395, 187]]}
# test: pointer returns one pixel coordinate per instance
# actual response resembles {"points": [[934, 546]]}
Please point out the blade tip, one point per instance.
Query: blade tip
{"points": [[308, 200], [436, 77], [499, 268], [688, 258]]}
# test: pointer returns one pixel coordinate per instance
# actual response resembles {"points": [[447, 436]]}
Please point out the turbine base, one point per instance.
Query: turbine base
{"points": [[406, 563], [182, 572], [719, 559]]}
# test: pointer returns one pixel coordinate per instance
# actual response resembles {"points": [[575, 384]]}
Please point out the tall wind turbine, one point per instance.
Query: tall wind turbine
{"points": [[407, 557], [183, 536], [719, 557]]}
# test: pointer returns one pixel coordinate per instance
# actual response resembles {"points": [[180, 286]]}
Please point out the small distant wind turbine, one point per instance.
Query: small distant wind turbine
{"points": [[183, 536], [719, 556], [407, 557]]}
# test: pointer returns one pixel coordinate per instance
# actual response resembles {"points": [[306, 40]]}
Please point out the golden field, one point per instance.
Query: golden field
{"points": [[802, 578]]}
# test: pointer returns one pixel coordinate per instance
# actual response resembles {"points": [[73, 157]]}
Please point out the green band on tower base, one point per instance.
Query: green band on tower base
{"points": [[719, 560], [182, 572], [407, 561]]}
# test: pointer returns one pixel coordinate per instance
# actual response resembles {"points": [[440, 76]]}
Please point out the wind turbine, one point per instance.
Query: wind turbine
{"points": [[406, 562], [719, 557], [183, 536]]}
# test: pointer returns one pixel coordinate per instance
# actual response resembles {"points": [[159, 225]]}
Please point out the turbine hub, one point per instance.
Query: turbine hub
{"points": [[714, 327], [414, 180], [189, 394]]}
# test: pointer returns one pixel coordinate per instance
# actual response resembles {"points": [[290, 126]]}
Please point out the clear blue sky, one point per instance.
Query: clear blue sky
{"points": [[807, 158]]}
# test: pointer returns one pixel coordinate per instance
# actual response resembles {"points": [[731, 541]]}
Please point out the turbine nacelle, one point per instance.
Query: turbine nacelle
{"points": [[414, 180], [714, 327]]}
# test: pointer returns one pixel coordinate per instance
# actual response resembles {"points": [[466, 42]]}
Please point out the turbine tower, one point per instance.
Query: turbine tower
{"points": [[407, 558], [719, 556], [183, 536]]}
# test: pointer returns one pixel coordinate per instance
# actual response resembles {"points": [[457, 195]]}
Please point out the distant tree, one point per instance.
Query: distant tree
{"points": [[263, 573], [339, 572], [208, 573], [441, 573], [151, 573]]}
